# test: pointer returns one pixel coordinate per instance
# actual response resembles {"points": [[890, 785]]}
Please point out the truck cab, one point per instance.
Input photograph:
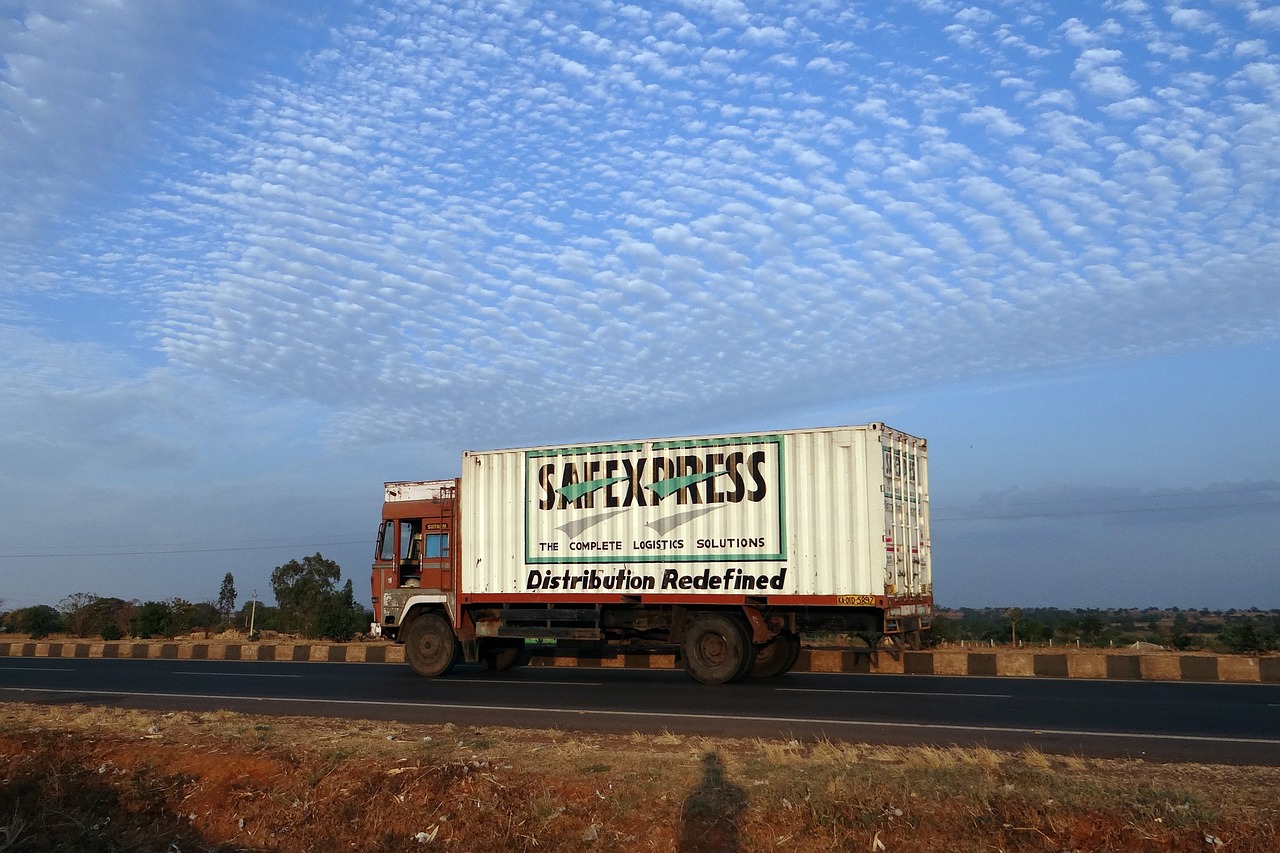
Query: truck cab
{"points": [[414, 559]]}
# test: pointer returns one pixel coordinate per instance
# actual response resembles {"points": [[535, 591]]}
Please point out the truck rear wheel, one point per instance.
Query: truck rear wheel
{"points": [[498, 655], [430, 646], [776, 657], [717, 648]]}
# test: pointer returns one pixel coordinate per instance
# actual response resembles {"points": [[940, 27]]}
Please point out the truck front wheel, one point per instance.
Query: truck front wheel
{"points": [[430, 646], [717, 648]]}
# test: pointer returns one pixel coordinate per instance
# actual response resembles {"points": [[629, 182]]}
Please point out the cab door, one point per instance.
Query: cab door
{"points": [[436, 565]]}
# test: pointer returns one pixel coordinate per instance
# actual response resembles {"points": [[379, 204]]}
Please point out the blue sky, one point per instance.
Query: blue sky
{"points": [[257, 258]]}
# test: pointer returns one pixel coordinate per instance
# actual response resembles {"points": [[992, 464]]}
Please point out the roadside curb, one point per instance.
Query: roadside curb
{"points": [[1082, 664]]}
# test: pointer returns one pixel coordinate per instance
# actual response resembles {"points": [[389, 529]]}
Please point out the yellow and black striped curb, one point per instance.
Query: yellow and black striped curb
{"points": [[1027, 664]]}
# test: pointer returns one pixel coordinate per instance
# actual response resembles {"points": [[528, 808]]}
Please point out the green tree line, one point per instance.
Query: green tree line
{"points": [[309, 603], [1236, 631]]}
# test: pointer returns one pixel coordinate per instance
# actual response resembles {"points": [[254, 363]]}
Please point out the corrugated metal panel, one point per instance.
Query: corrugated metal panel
{"points": [[809, 512]]}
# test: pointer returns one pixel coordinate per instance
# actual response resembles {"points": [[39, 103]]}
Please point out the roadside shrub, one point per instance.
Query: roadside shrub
{"points": [[39, 621], [1246, 636]]}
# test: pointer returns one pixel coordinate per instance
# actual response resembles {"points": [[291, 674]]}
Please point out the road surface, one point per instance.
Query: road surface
{"points": [[1159, 721]]}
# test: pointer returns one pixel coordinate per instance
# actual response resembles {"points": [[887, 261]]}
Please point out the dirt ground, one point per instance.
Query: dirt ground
{"points": [[79, 778]]}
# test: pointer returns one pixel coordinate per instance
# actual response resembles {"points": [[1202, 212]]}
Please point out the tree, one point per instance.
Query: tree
{"points": [[80, 614], [152, 619], [1014, 615], [302, 591], [112, 617], [1180, 632], [1245, 636], [171, 618], [260, 616], [38, 622], [1091, 627], [227, 598], [340, 617]]}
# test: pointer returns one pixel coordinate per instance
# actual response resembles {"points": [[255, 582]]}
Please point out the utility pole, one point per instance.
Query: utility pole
{"points": [[253, 612]]}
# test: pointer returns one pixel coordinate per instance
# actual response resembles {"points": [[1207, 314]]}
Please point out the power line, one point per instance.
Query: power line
{"points": [[1260, 488], [187, 550], [1014, 515]]}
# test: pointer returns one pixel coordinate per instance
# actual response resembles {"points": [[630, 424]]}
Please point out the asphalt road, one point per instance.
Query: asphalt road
{"points": [[1157, 721]]}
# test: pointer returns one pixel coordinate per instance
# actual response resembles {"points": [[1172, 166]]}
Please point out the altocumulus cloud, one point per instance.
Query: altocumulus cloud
{"points": [[480, 216]]}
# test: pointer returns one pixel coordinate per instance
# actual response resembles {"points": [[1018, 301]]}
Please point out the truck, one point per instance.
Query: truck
{"points": [[727, 551]]}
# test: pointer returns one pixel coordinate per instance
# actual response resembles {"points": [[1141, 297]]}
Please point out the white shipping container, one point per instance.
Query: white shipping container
{"points": [[815, 516]]}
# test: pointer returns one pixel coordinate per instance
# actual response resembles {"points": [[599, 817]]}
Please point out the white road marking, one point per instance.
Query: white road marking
{"points": [[525, 683], [233, 674], [668, 716], [893, 693]]}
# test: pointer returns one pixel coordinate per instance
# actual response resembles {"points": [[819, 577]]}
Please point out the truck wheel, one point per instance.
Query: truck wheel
{"points": [[430, 646], [717, 648], [776, 657], [498, 655]]}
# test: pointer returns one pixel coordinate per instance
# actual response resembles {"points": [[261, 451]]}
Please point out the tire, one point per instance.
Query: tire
{"points": [[717, 648], [776, 657], [430, 646], [498, 655]]}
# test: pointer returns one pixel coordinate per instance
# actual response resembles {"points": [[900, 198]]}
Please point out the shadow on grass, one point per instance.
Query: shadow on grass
{"points": [[710, 819]]}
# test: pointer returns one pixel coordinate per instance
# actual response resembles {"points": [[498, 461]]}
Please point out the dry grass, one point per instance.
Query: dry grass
{"points": [[90, 779]]}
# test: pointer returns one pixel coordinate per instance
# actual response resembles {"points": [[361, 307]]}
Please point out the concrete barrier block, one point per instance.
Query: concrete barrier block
{"points": [[825, 660], [950, 663], [1016, 664], [1269, 670], [1124, 666], [918, 663], [1160, 667], [1239, 669], [1050, 665], [886, 663], [982, 663], [1197, 668], [620, 661], [1086, 665]]}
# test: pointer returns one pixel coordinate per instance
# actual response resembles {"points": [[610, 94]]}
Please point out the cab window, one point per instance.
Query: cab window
{"points": [[436, 546], [387, 541], [408, 540]]}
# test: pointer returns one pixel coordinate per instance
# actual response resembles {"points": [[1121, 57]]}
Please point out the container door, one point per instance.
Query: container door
{"points": [[906, 516]]}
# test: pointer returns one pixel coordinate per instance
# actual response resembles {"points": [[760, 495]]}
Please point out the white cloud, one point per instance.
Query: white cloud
{"points": [[1268, 17], [461, 223], [995, 120], [1101, 76]]}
